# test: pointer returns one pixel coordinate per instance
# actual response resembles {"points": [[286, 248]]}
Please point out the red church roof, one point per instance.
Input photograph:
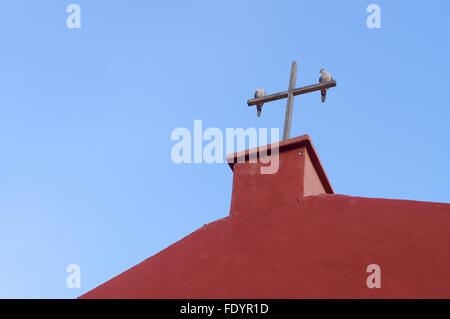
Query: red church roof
{"points": [[289, 236]]}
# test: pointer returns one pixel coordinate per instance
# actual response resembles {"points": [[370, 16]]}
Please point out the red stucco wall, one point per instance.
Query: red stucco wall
{"points": [[315, 247], [277, 243]]}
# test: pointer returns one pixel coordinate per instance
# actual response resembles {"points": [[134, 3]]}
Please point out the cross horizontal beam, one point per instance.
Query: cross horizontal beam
{"points": [[283, 95]]}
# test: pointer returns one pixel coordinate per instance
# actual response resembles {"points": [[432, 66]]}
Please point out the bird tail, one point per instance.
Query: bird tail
{"points": [[259, 108], [324, 94]]}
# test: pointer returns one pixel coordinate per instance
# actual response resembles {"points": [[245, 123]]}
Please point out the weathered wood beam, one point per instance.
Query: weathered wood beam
{"points": [[283, 95], [290, 101]]}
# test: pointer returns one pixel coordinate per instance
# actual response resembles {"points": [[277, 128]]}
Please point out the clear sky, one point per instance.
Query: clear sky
{"points": [[86, 115]]}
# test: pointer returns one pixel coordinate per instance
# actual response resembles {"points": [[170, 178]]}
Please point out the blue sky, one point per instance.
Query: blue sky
{"points": [[86, 116]]}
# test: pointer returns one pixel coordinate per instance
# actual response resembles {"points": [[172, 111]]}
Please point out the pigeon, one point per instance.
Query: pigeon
{"points": [[259, 93], [324, 77]]}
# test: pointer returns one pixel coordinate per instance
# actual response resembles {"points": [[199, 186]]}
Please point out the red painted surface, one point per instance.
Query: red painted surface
{"points": [[299, 174], [292, 246]]}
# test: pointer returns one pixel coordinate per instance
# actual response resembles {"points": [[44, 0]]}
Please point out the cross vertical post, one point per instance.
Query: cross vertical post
{"points": [[290, 101]]}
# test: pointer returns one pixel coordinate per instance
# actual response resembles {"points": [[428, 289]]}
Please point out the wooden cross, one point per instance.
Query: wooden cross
{"points": [[289, 94]]}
